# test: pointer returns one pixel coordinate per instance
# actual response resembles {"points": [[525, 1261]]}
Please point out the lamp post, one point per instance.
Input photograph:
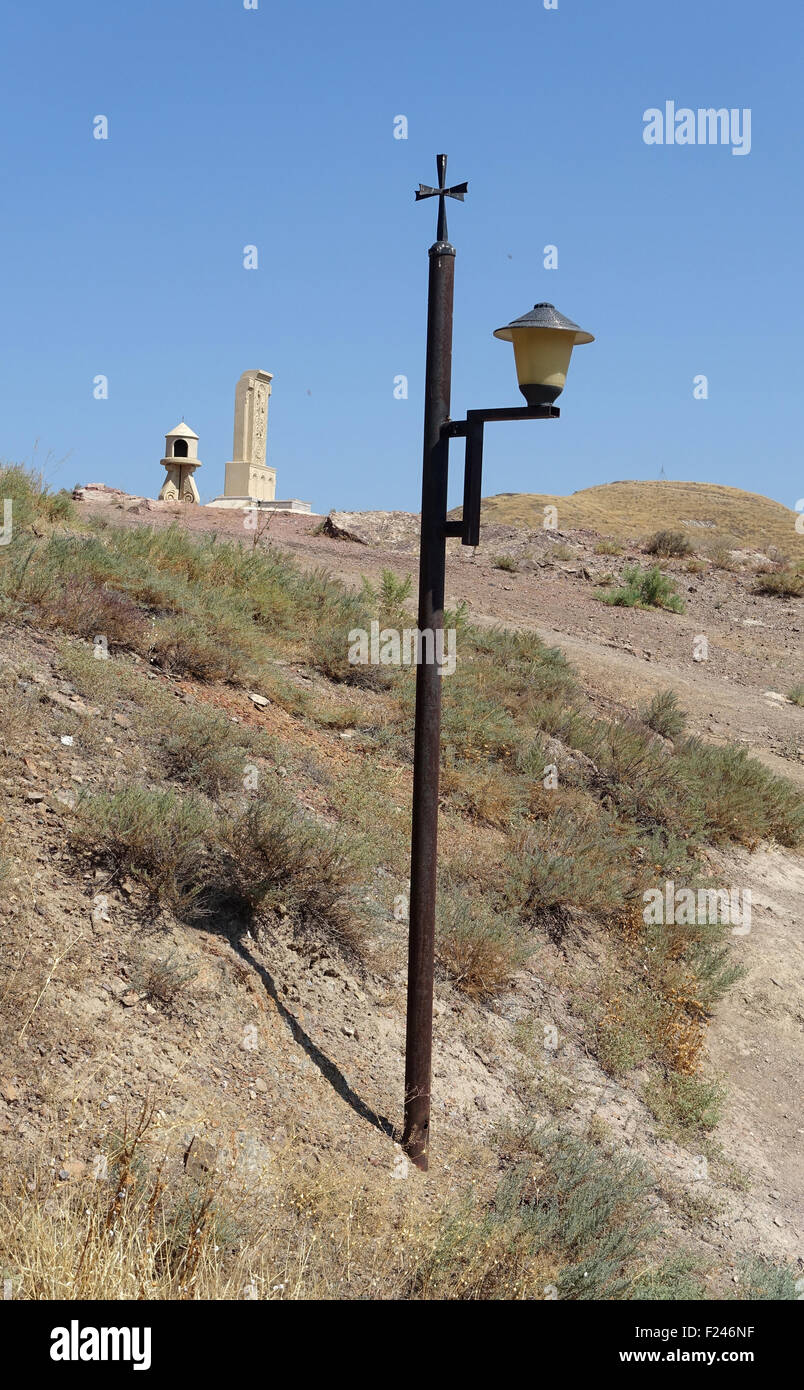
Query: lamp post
{"points": [[543, 342]]}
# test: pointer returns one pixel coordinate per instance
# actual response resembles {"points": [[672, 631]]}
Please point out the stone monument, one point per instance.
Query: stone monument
{"points": [[250, 482], [180, 461], [247, 475]]}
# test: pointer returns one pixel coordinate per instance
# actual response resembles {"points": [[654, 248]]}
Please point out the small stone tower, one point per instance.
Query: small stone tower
{"points": [[180, 461]]}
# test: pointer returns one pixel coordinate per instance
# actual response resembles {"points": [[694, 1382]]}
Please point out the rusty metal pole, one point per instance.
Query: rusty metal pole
{"points": [[426, 757]]}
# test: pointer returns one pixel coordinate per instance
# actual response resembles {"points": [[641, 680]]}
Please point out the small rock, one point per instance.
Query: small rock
{"points": [[259, 700], [72, 1168], [9, 1089], [130, 999], [122, 721], [35, 796], [200, 1158]]}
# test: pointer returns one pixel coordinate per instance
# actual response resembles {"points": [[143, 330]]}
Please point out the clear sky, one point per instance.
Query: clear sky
{"points": [[274, 127]]}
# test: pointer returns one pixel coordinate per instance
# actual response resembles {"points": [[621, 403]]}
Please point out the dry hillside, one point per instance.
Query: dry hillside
{"points": [[203, 871], [708, 512]]}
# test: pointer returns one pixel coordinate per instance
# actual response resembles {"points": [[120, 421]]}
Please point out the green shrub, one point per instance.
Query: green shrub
{"points": [[796, 695], [572, 861], [761, 1279], [390, 595], [157, 838], [685, 1105], [643, 589], [626, 1034], [477, 946], [200, 748], [268, 858], [571, 1220], [739, 798], [475, 727], [679, 1278], [32, 499], [663, 715], [505, 562], [645, 782]]}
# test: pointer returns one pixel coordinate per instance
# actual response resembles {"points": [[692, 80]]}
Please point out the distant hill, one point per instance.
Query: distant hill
{"points": [[632, 510]]}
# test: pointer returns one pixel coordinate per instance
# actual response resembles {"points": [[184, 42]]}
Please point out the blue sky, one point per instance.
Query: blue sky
{"points": [[274, 127]]}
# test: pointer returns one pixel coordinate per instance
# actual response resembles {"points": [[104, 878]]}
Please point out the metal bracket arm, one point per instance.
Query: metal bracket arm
{"points": [[471, 429]]}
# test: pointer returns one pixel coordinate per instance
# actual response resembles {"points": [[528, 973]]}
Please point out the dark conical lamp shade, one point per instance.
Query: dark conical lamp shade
{"points": [[543, 341]]}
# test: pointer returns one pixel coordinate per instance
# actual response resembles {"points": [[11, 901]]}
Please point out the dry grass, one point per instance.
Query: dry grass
{"points": [[479, 948], [633, 510], [781, 583], [669, 543], [567, 1220]]}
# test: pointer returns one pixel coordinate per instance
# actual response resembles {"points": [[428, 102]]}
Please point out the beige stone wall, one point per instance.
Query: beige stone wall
{"points": [[250, 480]]}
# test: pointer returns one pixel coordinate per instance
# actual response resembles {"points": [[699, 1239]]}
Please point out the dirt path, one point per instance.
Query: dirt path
{"points": [[757, 1039]]}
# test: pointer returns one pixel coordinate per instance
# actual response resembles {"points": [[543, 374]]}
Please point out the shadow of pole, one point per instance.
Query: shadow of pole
{"points": [[331, 1073]]}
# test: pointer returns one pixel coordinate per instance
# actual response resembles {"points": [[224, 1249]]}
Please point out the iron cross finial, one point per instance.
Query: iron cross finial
{"points": [[458, 191]]}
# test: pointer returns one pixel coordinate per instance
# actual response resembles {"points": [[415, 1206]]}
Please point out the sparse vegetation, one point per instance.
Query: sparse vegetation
{"points": [[390, 595], [644, 589], [796, 695], [505, 562], [570, 861], [780, 583], [201, 748], [313, 850], [663, 715], [685, 1105], [162, 976], [668, 543], [761, 1279], [157, 837], [565, 1216], [478, 947], [267, 858], [630, 509]]}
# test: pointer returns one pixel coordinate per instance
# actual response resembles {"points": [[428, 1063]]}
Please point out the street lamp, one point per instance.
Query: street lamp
{"points": [[543, 341]]}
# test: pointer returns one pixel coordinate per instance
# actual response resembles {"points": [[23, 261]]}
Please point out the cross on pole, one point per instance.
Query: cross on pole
{"points": [[458, 191]]}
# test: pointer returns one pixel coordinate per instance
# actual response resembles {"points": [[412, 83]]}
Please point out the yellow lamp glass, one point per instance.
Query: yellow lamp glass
{"points": [[543, 341], [542, 357]]}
